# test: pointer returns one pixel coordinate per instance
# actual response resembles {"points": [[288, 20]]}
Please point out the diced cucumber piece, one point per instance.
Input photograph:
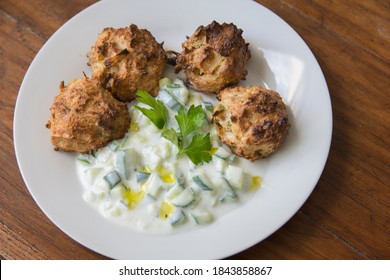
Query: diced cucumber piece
{"points": [[128, 140], [220, 164], [153, 156], [131, 161], [214, 137], [195, 100], [85, 159], [202, 217], [117, 193], [142, 176], [182, 94], [202, 181], [185, 95], [104, 156], [92, 173], [117, 144], [222, 153], [120, 163], [169, 100], [183, 199], [123, 142], [114, 146], [112, 179], [152, 198], [178, 91], [174, 191], [235, 176], [208, 106], [225, 185], [180, 178], [230, 158], [176, 217], [153, 185], [164, 81], [164, 149], [209, 116], [173, 85], [228, 194], [126, 162], [180, 82]]}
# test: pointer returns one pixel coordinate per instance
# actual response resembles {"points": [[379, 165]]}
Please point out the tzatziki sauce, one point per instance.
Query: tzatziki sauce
{"points": [[141, 182]]}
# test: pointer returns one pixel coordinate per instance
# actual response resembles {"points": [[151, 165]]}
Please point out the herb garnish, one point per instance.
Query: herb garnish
{"points": [[197, 147], [189, 121]]}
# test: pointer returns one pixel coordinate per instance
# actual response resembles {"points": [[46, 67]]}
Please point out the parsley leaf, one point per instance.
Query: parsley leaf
{"points": [[171, 135], [199, 149], [191, 120], [157, 114]]}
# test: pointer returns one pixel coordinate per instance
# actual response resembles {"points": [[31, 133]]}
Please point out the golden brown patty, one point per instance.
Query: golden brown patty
{"points": [[127, 59], [85, 117], [214, 57], [253, 121]]}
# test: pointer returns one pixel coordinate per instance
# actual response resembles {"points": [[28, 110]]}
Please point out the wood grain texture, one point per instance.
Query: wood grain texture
{"points": [[348, 214]]}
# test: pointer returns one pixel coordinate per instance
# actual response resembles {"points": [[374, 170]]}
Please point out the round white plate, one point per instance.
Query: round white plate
{"points": [[280, 60]]}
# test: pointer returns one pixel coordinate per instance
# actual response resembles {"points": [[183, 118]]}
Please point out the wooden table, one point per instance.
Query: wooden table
{"points": [[348, 214]]}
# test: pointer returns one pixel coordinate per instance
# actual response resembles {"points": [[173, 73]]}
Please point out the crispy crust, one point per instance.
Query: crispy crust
{"points": [[85, 117], [253, 121], [126, 59], [214, 57]]}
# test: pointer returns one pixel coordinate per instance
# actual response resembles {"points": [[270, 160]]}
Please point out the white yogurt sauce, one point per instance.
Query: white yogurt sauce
{"points": [[139, 182]]}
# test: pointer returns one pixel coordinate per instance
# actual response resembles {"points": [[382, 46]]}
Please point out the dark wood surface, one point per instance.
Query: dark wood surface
{"points": [[348, 214]]}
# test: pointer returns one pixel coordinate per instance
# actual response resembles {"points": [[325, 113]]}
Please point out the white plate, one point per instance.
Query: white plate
{"points": [[280, 60]]}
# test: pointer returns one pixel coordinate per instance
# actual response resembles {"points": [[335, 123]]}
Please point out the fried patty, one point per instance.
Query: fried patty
{"points": [[253, 121], [124, 60], [85, 117], [214, 57]]}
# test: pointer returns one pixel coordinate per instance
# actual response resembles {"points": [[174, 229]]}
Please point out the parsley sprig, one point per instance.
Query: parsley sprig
{"points": [[197, 147], [198, 150]]}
